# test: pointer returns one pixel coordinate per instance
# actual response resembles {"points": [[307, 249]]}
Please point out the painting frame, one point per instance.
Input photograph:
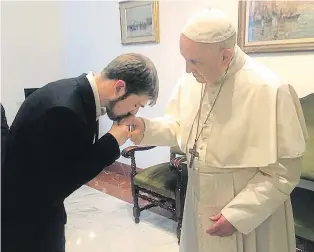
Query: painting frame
{"points": [[298, 45], [154, 38]]}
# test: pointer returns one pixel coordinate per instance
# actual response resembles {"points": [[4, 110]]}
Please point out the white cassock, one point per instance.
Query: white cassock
{"points": [[249, 157]]}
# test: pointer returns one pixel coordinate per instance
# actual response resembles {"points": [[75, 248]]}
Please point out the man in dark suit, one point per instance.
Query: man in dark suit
{"points": [[52, 150], [4, 134]]}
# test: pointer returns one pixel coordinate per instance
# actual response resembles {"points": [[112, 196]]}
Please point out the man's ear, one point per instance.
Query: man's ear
{"points": [[120, 88]]}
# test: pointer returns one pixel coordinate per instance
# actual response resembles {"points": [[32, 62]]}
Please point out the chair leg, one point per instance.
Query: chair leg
{"points": [[136, 208], [180, 198], [179, 214], [174, 213], [179, 219]]}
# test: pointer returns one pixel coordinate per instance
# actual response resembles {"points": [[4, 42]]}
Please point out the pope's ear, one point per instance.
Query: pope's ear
{"points": [[227, 56], [120, 88]]}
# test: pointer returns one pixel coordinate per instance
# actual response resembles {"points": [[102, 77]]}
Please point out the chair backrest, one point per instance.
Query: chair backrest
{"points": [[307, 104], [29, 91]]}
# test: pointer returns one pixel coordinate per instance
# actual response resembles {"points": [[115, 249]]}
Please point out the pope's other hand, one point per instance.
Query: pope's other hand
{"points": [[222, 227]]}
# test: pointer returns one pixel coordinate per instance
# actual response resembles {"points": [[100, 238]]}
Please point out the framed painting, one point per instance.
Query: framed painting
{"points": [[276, 26], [139, 22]]}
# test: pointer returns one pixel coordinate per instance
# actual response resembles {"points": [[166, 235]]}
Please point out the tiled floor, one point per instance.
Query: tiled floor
{"points": [[100, 218], [100, 222]]}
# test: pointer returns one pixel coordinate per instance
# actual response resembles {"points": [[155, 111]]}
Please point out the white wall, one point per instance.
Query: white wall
{"points": [[87, 36], [31, 49]]}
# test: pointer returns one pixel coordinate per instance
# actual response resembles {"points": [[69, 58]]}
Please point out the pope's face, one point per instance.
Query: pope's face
{"points": [[205, 61]]}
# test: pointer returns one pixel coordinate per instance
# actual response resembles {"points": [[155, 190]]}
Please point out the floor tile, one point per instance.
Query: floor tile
{"points": [[100, 222]]}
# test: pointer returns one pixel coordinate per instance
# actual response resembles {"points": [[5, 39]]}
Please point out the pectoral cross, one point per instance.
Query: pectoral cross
{"points": [[194, 154]]}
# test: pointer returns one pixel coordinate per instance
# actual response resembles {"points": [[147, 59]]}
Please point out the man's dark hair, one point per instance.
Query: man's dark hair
{"points": [[138, 72]]}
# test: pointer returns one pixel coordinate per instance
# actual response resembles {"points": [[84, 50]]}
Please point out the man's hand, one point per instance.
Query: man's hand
{"points": [[221, 228], [120, 132], [137, 134]]}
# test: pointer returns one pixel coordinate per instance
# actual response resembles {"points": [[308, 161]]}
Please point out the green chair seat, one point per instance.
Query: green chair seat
{"points": [[303, 211], [158, 178]]}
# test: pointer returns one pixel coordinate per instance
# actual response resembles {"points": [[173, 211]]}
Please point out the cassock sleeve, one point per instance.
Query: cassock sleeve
{"points": [[272, 185], [66, 154], [164, 131]]}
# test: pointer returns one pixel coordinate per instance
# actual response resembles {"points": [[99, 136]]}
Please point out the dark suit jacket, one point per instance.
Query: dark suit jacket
{"points": [[4, 134], [51, 154]]}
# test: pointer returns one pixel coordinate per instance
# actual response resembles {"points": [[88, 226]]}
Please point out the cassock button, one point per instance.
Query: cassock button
{"points": [[205, 138]]}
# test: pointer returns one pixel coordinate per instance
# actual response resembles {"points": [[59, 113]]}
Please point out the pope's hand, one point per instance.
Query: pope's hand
{"points": [[222, 226], [120, 132], [137, 133]]}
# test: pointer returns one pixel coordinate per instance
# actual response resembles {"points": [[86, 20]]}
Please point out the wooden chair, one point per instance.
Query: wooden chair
{"points": [[162, 185], [303, 199]]}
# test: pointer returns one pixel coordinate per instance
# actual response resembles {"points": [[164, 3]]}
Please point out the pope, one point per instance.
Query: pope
{"points": [[244, 134]]}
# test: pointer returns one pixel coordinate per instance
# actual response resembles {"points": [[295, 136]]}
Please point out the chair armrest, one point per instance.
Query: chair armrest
{"points": [[128, 152], [177, 162]]}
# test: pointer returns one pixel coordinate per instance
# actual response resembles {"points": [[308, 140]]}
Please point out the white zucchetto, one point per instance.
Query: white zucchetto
{"points": [[209, 26]]}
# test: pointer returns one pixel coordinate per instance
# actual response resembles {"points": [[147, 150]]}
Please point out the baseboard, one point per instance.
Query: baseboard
{"points": [[121, 169]]}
